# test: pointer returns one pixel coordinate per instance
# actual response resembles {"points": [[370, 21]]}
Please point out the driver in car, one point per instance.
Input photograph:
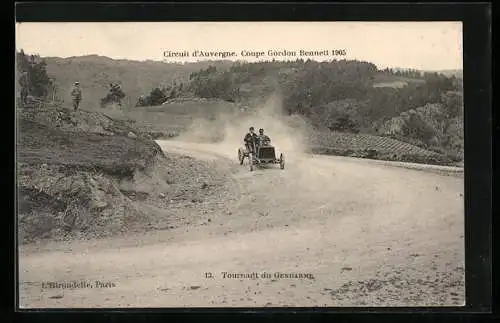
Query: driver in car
{"points": [[251, 138], [264, 140]]}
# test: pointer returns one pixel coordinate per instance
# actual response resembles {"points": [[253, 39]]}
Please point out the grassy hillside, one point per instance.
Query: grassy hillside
{"points": [[173, 117], [96, 72]]}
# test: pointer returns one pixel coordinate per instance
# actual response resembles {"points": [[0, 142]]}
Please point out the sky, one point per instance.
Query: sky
{"points": [[418, 45]]}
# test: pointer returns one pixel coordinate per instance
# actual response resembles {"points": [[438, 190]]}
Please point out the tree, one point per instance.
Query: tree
{"points": [[343, 115], [115, 95], [157, 97], [33, 78], [429, 126], [453, 103], [345, 124], [143, 101]]}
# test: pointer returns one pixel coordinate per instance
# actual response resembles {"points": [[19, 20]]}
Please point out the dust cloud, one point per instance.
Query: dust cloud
{"points": [[228, 127]]}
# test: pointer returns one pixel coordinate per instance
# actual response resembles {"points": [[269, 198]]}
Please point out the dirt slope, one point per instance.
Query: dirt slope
{"points": [[361, 232], [84, 175]]}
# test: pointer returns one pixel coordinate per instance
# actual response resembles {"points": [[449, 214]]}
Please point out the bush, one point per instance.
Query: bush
{"points": [[343, 116], [115, 95], [157, 96]]}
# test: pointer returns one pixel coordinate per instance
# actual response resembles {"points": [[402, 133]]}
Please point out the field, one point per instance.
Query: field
{"points": [[373, 147]]}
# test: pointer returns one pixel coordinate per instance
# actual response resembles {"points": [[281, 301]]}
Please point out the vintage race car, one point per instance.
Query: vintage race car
{"points": [[260, 155]]}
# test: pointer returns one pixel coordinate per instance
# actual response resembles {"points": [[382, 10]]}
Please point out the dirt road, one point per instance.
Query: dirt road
{"points": [[326, 231]]}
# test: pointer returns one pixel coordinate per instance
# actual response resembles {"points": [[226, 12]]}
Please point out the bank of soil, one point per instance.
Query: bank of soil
{"points": [[84, 175]]}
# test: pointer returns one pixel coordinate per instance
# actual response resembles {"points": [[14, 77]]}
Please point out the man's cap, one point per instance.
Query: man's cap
{"points": [[261, 130], [77, 82]]}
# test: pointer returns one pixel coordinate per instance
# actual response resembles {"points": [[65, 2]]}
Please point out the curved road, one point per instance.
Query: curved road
{"points": [[326, 231]]}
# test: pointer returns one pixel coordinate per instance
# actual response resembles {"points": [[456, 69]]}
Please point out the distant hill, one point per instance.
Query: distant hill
{"points": [[449, 73], [393, 81], [459, 73], [137, 77], [140, 77], [456, 73]]}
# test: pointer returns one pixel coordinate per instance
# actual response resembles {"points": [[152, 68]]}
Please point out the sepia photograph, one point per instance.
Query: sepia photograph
{"points": [[240, 164]]}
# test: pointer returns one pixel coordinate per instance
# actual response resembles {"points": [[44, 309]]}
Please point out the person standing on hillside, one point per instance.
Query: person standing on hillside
{"points": [[76, 95]]}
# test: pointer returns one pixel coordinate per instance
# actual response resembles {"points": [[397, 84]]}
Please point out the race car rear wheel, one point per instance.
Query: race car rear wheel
{"points": [[282, 161]]}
